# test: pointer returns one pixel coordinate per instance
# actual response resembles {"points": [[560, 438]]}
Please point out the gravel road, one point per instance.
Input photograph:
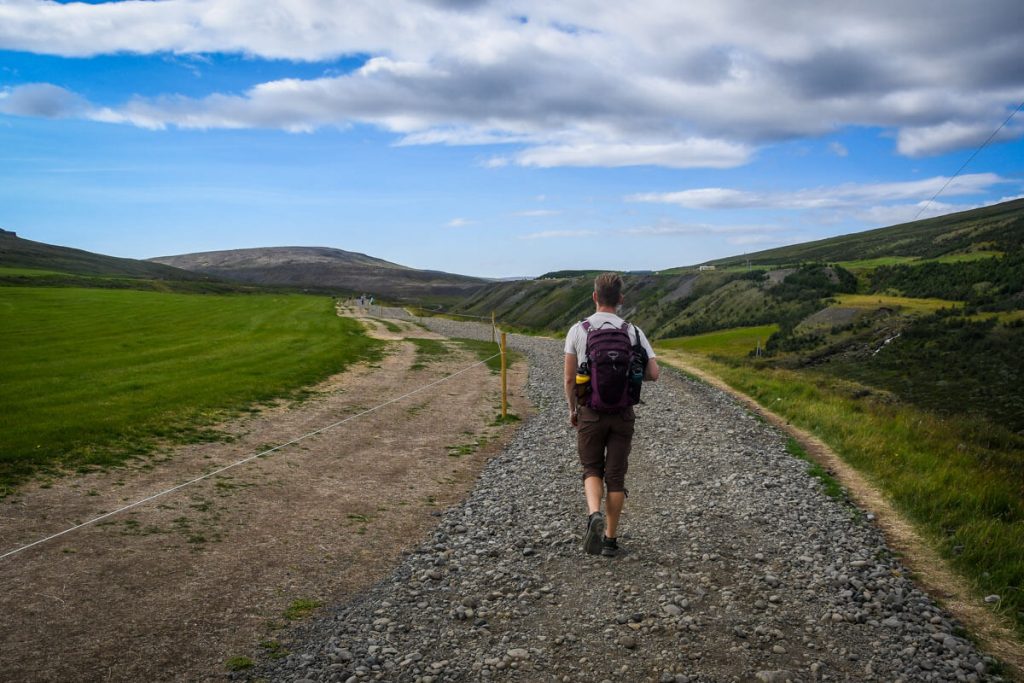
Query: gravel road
{"points": [[736, 567]]}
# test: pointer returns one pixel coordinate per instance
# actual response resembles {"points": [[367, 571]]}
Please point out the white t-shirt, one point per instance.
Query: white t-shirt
{"points": [[576, 340]]}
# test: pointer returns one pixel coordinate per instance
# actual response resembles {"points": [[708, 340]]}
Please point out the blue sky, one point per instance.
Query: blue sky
{"points": [[500, 139]]}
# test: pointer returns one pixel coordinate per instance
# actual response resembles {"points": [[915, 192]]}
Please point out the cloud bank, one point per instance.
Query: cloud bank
{"points": [[575, 83], [838, 197]]}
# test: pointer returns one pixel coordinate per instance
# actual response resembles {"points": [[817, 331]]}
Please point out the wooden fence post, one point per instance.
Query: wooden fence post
{"points": [[504, 381]]}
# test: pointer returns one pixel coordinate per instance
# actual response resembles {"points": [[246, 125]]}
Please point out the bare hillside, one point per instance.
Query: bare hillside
{"points": [[323, 268]]}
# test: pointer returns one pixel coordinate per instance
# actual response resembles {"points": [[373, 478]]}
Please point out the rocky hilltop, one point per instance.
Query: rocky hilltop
{"points": [[326, 269]]}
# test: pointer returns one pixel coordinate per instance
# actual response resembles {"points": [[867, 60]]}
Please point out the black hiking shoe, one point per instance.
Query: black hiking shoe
{"points": [[595, 532], [609, 547]]}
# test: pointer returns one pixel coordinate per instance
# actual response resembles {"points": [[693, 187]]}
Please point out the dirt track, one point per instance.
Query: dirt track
{"points": [[172, 589]]}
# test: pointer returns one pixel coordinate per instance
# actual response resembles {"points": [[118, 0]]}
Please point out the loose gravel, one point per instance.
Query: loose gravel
{"points": [[735, 567]]}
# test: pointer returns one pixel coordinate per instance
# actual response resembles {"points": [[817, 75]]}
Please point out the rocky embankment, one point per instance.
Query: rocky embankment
{"points": [[736, 567]]}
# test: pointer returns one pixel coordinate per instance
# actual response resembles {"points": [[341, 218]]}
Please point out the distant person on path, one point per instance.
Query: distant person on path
{"points": [[604, 425]]}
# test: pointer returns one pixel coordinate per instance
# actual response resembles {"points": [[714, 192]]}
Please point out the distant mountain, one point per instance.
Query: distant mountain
{"points": [[19, 253], [326, 269]]}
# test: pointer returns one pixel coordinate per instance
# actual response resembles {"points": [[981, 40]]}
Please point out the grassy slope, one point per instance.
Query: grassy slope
{"points": [[19, 253], [736, 343], [966, 232], [24, 263], [960, 481], [93, 376]]}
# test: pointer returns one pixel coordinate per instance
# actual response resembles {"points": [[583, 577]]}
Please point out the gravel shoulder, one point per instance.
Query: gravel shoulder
{"points": [[737, 567]]}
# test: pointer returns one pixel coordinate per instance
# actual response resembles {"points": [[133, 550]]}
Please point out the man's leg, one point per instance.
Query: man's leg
{"points": [[593, 488], [590, 437], [613, 508], [620, 440]]}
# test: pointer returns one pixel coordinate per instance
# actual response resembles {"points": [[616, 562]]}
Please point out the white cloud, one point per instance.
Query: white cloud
{"points": [[851, 195], [689, 153], [951, 135], [537, 213], [755, 239], [495, 162], [839, 149], [459, 223], [41, 100], [737, 234], [905, 213], [667, 228], [558, 234], [578, 83]]}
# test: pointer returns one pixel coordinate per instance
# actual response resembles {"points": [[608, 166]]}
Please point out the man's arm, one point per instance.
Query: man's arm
{"points": [[651, 371], [570, 386]]}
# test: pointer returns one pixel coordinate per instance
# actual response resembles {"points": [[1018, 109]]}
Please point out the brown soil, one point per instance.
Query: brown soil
{"points": [[172, 589], [930, 571]]}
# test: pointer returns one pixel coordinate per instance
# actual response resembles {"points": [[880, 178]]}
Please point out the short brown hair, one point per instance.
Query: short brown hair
{"points": [[608, 287]]}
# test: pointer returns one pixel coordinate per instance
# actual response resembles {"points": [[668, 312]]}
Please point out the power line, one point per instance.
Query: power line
{"points": [[969, 160]]}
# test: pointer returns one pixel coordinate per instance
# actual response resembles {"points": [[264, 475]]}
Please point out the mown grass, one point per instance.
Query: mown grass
{"points": [[91, 377], [736, 342], [872, 263], [28, 272], [904, 303], [427, 350], [959, 480], [968, 256], [490, 352]]}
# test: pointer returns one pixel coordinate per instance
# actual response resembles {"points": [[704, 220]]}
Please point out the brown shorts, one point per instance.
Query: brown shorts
{"points": [[603, 442]]}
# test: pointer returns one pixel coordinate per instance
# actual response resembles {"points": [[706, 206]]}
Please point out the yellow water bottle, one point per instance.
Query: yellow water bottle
{"points": [[582, 381]]}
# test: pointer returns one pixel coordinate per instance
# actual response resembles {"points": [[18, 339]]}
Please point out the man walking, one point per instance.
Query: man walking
{"points": [[603, 439]]}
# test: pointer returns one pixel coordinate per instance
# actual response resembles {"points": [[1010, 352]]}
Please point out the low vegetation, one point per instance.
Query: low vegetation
{"points": [[960, 480], [92, 377], [490, 352], [737, 342], [427, 351]]}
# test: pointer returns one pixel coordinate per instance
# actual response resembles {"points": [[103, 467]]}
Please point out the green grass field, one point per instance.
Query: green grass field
{"points": [[903, 303], [959, 480], [91, 377], [28, 272], [736, 342], [969, 256], [872, 263]]}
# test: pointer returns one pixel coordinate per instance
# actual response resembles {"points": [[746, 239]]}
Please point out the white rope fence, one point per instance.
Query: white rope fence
{"points": [[244, 460]]}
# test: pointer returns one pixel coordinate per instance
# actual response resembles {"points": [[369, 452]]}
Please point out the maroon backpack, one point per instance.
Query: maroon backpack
{"points": [[610, 358]]}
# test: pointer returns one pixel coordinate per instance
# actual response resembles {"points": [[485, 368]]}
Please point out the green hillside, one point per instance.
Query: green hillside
{"points": [[998, 228], [18, 254], [24, 263], [931, 311]]}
